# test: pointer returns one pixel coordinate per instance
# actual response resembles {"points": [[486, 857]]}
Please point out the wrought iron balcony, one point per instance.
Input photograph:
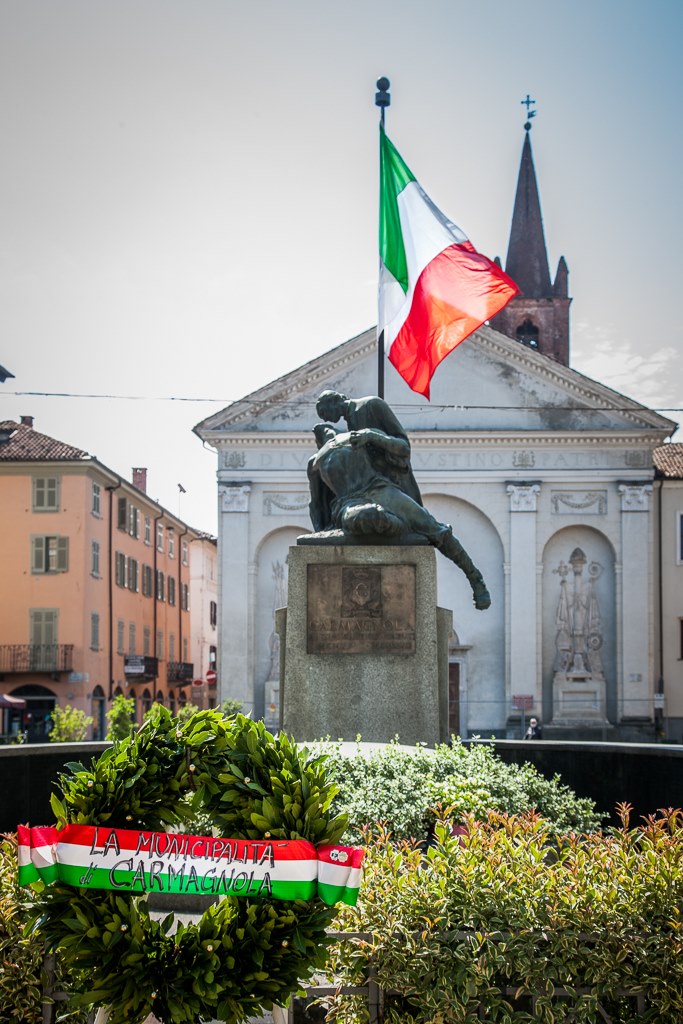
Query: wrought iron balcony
{"points": [[36, 658], [140, 666], [179, 672]]}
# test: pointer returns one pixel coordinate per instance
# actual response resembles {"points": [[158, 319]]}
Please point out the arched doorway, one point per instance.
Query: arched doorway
{"points": [[98, 705], [37, 717]]}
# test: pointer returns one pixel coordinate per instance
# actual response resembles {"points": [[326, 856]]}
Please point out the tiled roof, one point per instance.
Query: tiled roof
{"points": [[668, 461], [26, 445]]}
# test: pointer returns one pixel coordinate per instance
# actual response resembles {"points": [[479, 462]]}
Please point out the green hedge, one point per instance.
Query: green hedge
{"points": [[510, 905], [22, 956], [399, 786]]}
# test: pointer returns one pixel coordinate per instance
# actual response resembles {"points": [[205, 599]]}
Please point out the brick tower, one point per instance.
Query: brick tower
{"points": [[539, 316]]}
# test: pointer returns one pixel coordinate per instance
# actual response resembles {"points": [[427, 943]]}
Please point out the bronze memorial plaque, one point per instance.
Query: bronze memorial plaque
{"points": [[356, 609]]}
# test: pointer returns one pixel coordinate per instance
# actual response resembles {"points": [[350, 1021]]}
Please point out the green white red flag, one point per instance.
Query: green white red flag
{"points": [[435, 289], [126, 860]]}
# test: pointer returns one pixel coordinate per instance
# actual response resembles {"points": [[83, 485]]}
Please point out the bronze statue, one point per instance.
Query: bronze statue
{"points": [[349, 492], [374, 413]]}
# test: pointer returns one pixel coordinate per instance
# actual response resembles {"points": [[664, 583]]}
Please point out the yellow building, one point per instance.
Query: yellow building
{"points": [[94, 587]]}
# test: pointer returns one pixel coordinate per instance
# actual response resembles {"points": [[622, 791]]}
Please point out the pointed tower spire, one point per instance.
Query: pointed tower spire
{"points": [[527, 258], [539, 317]]}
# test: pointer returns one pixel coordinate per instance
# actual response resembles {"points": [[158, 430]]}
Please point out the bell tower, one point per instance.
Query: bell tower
{"points": [[539, 315]]}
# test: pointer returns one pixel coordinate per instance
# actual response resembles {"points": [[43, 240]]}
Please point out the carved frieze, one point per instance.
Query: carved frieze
{"points": [[590, 503], [279, 503]]}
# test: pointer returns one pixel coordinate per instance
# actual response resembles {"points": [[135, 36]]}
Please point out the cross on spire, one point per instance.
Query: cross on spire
{"points": [[528, 102]]}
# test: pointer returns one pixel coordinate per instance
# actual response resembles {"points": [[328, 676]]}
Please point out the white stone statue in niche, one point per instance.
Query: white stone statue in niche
{"points": [[579, 678], [579, 625]]}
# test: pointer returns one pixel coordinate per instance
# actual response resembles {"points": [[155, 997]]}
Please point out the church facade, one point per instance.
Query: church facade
{"points": [[547, 479]]}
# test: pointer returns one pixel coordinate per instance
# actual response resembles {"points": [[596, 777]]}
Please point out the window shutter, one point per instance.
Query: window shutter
{"points": [[62, 554], [121, 521], [37, 554]]}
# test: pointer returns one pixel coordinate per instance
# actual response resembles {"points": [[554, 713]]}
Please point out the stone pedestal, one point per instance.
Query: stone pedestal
{"points": [[579, 699], [364, 648]]}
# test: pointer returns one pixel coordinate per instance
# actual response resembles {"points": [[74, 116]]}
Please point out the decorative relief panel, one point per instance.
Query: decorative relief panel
{"points": [[636, 460], [232, 459], [635, 497], [280, 503], [234, 497], [523, 459], [523, 497], [588, 503]]}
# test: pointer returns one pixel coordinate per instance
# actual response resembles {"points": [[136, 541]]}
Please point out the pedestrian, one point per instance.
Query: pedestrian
{"points": [[535, 731]]}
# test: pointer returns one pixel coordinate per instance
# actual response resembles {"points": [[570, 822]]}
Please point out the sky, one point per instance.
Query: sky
{"points": [[188, 195]]}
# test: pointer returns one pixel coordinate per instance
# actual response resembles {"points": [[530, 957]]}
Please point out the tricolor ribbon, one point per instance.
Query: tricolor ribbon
{"points": [[97, 857]]}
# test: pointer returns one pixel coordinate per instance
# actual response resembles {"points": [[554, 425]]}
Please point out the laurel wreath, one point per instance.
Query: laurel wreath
{"points": [[244, 953]]}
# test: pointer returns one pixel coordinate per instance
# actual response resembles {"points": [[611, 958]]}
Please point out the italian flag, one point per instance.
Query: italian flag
{"points": [[126, 860], [435, 289]]}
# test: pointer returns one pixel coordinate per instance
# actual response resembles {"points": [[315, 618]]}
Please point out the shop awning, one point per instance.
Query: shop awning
{"points": [[7, 701]]}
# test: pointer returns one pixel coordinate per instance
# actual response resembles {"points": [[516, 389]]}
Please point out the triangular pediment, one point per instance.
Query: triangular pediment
{"points": [[490, 383]]}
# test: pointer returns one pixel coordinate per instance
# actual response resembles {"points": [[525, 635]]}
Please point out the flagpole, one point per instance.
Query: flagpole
{"points": [[382, 100]]}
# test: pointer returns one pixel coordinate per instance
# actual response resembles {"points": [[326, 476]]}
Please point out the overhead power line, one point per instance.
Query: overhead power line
{"points": [[265, 402]]}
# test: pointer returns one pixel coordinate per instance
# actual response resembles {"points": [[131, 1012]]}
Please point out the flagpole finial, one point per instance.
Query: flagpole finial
{"points": [[382, 97]]}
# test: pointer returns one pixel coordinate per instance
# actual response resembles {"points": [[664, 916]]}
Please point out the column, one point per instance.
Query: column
{"points": [[234, 682], [636, 600], [523, 617]]}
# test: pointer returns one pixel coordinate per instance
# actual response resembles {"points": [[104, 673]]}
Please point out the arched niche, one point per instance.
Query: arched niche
{"points": [[598, 577], [270, 592]]}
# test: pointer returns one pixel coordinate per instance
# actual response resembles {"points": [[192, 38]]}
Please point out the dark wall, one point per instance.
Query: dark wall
{"points": [[649, 776], [27, 776]]}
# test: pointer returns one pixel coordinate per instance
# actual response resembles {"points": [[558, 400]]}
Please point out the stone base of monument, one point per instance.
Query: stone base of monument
{"points": [[363, 645], [579, 698]]}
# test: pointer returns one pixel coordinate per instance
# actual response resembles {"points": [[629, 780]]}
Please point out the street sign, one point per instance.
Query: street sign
{"points": [[197, 682], [523, 701], [211, 677]]}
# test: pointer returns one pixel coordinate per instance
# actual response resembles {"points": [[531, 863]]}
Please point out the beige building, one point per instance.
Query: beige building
{"points": [[669, 686], [94, 588], [547, 478]]}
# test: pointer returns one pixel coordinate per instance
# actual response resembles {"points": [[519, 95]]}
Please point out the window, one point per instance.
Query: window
{"points": [[96, 506], [171, 647], [131, 638], [133, 521], [160, 585], [94, 631], [120, 569], [171, 543], [43, 626], [185, 597], [132, 574], [120, 628], [213, 614], [171, 591], [160, 645], [147, 581], [185, 552], [46, 494], [213, 657], [160, 537], [49, 554], [122, 514], [146, 641], [95, 558], [148, 530]]}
